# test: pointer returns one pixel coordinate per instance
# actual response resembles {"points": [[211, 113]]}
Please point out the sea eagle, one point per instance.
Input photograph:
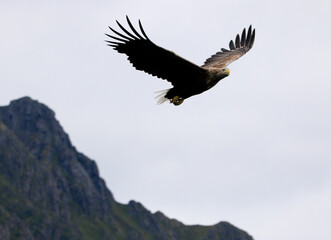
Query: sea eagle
{"points": [[187, 78]]}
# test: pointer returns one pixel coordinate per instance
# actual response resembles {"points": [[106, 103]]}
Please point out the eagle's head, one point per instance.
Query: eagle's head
{"points": [[226, 72], [221, 73]]}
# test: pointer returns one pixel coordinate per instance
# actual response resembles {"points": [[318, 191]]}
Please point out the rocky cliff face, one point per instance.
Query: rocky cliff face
{"points": [[48, 190]]}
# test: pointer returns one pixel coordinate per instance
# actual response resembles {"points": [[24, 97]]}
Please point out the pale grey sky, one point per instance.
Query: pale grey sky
{"points": [[255, 150]]}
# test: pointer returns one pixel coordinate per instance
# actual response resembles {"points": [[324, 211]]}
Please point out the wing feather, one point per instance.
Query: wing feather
{"points": [[249, 35], [241, 46], [116, 38], [231, 45], [142, 30], [243, 37], [119, 34], [132, 28], [251, 43], [148, 57], [237, 41]]}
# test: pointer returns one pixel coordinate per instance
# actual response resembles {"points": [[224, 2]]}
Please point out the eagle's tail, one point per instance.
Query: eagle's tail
{"points": [[161, 96], [166, 95]]}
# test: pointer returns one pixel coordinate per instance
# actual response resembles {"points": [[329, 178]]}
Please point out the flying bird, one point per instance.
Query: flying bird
{"points": [[188, 79]]}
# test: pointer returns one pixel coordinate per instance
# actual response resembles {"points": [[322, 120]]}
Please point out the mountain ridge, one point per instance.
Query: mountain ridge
{"points": [[48, 190]]}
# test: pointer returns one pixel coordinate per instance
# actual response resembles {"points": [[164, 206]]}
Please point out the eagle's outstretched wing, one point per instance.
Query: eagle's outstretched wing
{"points": [[147, 56], [237, 49]]}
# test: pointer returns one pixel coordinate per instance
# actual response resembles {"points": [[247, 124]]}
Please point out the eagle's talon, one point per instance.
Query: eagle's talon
{"points": [[177, 100], [174, 99]]}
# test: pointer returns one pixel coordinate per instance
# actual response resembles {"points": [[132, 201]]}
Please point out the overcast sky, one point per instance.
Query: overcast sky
{"points": [[254, 151]]}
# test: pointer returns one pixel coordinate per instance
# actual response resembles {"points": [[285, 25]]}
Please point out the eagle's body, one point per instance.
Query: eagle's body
{"points": [[187, 78]]}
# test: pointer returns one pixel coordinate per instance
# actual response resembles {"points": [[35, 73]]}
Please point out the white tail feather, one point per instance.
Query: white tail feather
{"points": [[161, 96]]}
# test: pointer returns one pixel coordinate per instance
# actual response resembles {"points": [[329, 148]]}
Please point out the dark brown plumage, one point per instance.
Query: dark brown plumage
{"points": [[187, 78]]}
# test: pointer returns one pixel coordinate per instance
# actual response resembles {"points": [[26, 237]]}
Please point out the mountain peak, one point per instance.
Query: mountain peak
{"points": [[35, 125], [28, 106], [51, 191]]}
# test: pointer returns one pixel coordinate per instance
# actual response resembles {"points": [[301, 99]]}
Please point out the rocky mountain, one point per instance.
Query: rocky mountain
{"points": [[48, 190]]}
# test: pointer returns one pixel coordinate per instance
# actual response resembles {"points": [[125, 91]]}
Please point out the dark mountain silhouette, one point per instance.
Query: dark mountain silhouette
{"points": [[48, 190]]}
